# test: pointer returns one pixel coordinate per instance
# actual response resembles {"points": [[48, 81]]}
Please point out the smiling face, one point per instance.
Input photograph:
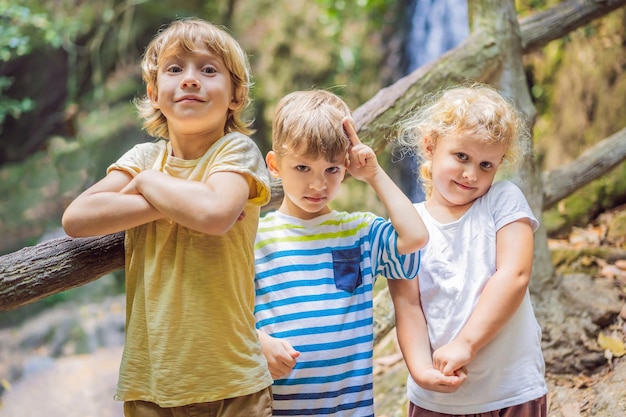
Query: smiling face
{"points": [[194, 92], [309, 183], [463, 169]]}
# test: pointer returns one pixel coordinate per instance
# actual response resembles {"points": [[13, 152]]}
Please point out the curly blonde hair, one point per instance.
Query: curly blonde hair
{"points": [[310, 123], [478, 110], [191, 35]]}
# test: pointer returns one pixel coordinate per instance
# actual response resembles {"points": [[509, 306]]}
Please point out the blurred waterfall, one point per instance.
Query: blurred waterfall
{"points": [[435, 26]]}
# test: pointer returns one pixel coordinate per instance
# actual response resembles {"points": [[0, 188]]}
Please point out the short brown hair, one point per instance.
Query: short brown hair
{"points": [[310, 123]]}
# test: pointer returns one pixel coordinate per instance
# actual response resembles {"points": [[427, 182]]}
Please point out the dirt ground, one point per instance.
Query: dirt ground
{"points": [[599, 389]]}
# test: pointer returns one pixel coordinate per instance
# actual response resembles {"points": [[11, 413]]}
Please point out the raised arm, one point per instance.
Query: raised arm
{"points": [[363, 165], [499, 301], [414, 341]]}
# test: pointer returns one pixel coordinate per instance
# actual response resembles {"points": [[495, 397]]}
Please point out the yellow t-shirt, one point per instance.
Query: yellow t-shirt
{"points": [[190, 327]]}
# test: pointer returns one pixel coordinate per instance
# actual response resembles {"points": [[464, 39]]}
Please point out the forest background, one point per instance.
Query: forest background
{"points": [[69, 71]]}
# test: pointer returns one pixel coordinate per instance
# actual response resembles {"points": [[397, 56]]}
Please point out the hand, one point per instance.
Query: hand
{"points": [[453, 356], [362, 161], [433, 380], [279, 354], [133, 186]]}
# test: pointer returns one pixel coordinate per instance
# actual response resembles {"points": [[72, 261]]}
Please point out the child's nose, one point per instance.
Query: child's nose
{"points": [[190, 80], [318, 184], [469, 173]]}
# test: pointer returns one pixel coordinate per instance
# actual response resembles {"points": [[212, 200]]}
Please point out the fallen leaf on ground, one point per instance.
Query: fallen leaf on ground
{"points": [[614, 344]]}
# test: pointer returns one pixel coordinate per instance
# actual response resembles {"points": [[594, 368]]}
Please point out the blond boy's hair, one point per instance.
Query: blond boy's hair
{"points": [[309, 123], [191, 35], [477, 110]]}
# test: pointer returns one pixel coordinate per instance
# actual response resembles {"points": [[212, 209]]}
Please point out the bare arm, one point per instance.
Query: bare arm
{"points": [[414, 341], [499, 301], [103, 209], [210, 207], [363, 165]]}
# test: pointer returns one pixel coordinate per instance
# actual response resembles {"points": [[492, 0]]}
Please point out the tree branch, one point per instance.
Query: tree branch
{"points": [[556, 22], [591, 164], [56, 265]]}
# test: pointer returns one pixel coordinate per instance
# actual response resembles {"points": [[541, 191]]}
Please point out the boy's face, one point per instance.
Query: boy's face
{"points": [[309, 184], [195, 93]]}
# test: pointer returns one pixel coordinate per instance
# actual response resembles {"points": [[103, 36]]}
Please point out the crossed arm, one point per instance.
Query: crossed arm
{"points": [[119, 202]]}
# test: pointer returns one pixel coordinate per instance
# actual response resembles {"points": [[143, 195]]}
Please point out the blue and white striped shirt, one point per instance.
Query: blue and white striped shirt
{"points": [[314, 282]]}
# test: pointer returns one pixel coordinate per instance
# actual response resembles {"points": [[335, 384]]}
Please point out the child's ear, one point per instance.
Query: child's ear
{"points": [[153, 96], [272, 164], [234, 104], [429, 147], [235, 101]]}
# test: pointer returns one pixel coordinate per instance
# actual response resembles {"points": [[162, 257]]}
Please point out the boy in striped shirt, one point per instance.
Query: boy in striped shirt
{"points": [[315, 267]]}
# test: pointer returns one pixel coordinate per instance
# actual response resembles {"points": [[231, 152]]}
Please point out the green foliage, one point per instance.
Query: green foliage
{"points": [[16, 25], [23, 28], [20, 26], [10, 106], [337, 13]]}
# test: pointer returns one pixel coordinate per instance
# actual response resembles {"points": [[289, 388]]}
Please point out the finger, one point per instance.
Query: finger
{"points": [[289, 363], [366, 153], [348, 127], [448, 370]]}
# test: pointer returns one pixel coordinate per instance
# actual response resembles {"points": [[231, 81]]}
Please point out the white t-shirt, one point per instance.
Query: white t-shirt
{"points": [[457, 262]]}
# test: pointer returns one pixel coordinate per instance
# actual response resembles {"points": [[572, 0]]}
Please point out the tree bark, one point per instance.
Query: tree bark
{"points": [[565, 17], [591, 164], [54, 266]]}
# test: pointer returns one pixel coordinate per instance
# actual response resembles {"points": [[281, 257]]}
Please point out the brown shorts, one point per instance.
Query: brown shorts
{"points": [[535, 408], [254, 405]]}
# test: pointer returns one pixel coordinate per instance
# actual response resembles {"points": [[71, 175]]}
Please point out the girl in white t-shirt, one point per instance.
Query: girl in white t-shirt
{"points": [[466, 327]]}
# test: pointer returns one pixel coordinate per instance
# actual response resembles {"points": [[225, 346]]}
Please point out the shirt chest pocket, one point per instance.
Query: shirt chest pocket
{"points": [[347, 269]]}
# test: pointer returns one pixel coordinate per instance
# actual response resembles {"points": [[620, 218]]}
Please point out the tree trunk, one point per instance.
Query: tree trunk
{"points": [[491, 54]]}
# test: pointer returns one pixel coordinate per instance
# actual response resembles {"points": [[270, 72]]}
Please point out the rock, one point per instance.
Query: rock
{"points": [[597, 298]]}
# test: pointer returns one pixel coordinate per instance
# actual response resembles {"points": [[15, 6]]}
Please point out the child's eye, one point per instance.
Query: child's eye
{"points": [[333, 170], [302, 168], [209, 70], [174, 68], [486, 165], [461, 156]]}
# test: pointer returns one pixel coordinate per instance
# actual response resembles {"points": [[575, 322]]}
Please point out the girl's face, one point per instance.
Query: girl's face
{"points": [[309, 184], [463, 168]]}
